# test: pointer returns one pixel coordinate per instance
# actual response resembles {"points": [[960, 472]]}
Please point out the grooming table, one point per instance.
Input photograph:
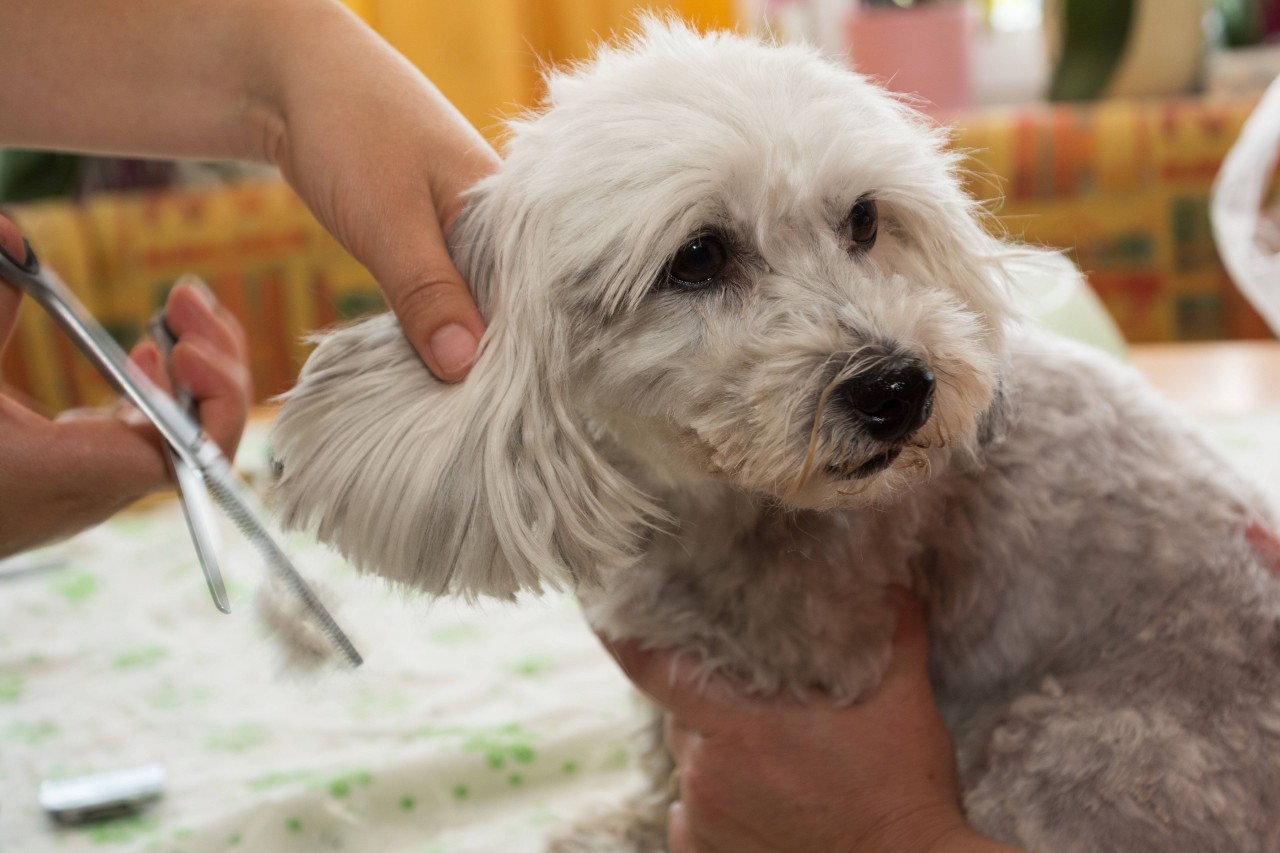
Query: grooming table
{"points": [[468, 729]]}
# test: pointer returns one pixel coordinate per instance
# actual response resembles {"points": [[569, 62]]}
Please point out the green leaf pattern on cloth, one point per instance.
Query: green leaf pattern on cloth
{"points": [[468, 729]]}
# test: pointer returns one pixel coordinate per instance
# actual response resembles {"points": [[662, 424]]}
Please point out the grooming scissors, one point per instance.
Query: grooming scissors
{"points": [[193, 494], [200, 467]]}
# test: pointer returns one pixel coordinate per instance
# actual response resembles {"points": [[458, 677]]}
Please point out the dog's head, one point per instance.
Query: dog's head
{"points": [[730, 262]]}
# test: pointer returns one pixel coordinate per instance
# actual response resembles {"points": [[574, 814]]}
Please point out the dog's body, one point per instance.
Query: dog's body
{"points": [[1104, 637], [725, 414]]}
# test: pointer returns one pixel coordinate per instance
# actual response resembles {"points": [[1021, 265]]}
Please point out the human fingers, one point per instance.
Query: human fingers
{"points": [[648, 669], [10, 297], [673, 681], [679, 836], [220, 386], [904, 702], [435, 307], [210, 360], [910, 637], [192, 309], [680, 738], [147, 357]]}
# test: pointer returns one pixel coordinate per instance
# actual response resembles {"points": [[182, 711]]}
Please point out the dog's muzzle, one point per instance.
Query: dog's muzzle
{"points": [[892, 401]]}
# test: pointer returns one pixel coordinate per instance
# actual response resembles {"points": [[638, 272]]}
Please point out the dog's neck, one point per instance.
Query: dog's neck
{"points": [[711, 521]]}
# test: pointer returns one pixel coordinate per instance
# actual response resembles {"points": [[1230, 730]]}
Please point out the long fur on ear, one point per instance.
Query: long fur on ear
{"points": [[486, 487]]}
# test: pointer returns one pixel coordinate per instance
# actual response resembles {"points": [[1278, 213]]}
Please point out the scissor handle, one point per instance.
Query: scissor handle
{"points": [[45, 286]]}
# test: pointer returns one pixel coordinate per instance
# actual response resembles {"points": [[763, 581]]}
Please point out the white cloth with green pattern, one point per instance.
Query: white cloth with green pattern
{"points": [[467, 729]]}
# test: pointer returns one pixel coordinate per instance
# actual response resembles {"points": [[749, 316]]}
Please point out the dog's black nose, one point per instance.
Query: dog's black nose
{"points": [[893, 401]]}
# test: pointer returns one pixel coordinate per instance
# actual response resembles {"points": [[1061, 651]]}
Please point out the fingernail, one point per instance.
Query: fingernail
{"points": [[454, 347], [148, 360], [200, 287], [12, 242]]}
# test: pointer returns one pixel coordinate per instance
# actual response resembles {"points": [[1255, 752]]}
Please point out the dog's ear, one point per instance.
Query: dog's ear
{"points": [[485, 487]]}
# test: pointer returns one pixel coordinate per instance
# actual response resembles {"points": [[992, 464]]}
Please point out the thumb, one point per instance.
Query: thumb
{"points": [[679, 838], [909, 666], [435, 308], [911, 635]]}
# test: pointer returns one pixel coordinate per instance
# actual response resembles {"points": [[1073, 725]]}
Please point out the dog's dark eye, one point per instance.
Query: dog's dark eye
{"points": [[862, 225], [698, 262]]}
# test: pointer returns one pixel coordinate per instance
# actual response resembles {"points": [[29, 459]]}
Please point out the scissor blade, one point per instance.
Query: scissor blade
{"points": [[202, 522], [192, 491]]}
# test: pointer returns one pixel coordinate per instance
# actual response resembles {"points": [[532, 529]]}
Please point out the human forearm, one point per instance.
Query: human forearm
{"points": [[145, 78], [210, 79]]}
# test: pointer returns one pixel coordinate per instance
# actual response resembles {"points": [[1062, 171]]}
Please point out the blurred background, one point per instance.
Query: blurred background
{"points": [[1094, 126]]}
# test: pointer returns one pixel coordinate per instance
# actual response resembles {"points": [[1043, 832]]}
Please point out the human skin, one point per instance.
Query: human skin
{"points": [[60, 476], [369, 144], [765, 775]]}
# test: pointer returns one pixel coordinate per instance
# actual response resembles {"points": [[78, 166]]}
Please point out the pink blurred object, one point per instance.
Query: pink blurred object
{"points": [[923, 50]]}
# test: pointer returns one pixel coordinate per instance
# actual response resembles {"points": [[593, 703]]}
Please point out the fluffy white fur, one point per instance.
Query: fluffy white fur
{"points": [[1105, 641]]}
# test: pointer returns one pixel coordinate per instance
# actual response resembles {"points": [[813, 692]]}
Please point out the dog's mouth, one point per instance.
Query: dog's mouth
{"points": [[874, 465]]}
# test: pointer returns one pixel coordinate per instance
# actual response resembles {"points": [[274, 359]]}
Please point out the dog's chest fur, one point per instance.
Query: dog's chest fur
{"points": [[782, 599]]}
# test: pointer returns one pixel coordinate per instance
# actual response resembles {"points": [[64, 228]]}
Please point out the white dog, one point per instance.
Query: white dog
{"points": [[751, 358]]}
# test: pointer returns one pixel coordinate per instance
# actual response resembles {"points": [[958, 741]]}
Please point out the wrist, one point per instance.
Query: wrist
{"points": [[313, 57], [278, 69]]}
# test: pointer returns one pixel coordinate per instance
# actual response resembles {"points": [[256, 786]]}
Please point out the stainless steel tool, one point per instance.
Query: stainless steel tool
{"points": [[206, 466], [192, 491]]}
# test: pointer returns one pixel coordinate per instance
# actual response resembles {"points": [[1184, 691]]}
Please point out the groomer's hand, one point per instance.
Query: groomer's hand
{"points": [[775, 775], [372, 147], [58, 477], [382, 159]]}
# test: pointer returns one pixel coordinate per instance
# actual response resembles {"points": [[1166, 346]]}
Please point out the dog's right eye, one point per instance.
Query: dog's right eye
{"points": [[698, 262], [862, 225]]}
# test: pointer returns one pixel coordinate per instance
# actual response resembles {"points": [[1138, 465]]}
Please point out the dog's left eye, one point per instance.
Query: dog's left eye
{"points": [[698, 262], [862, 226]]}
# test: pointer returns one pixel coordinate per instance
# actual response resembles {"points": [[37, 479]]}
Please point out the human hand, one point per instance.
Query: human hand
{"points": [[371, 146], [773, 774], [383, 160], [58, 477]]}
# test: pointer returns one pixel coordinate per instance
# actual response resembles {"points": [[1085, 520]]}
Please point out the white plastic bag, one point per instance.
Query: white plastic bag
{"points": [[1247, 235]]}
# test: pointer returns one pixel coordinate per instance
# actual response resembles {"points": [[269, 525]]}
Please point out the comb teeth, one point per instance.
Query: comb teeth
{"points": [[249, 526]]}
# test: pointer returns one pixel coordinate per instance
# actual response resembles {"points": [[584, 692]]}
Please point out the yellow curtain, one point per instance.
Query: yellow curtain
{"points": [[485, 54]]}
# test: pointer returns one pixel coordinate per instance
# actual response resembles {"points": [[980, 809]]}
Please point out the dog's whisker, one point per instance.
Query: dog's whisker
{"points": [[811, 453], [795, 407], [853, 493]]}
